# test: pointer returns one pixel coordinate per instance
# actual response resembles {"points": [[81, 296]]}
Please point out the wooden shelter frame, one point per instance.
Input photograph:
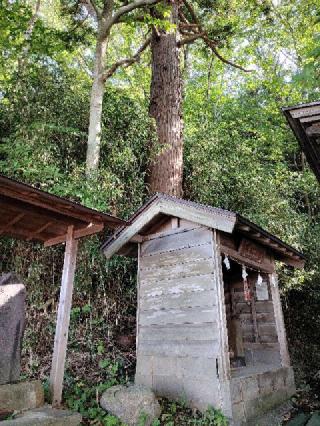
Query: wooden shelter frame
{"points": [[33, 215], [304, 120]]}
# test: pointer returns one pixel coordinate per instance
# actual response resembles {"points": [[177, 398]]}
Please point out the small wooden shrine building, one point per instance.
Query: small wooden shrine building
{"points": [[30, 214], [209, 320], [304, 120]]}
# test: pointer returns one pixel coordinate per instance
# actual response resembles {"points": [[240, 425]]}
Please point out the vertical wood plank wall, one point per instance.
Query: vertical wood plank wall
{"points": [[179, 342], [278, 314]]}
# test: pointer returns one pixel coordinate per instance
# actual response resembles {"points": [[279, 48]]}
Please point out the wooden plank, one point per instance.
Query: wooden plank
{"points": [[212, 218], [266, 338], [178, 316], [278, 315], [176, 241], [205, 349], [304, 112], [223, 360], [63, 318], [267, 329], [180, 285], [39, 230], [180, 300], [179, 332], [177, 256], [311, 119], [261, 317], [271, 346], [266, 266], [51, 203], [264, 306], [187, 224], [37, 211], [200, 267], [129, 232], [254, 318], [79, 233]]}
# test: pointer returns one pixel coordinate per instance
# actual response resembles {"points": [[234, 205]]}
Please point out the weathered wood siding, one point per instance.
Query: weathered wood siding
{"points": [[178, 344]]}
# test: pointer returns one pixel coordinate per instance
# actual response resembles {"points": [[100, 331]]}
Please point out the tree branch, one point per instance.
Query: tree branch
{"points": [[92, 8], [131, 6], [126, 62], [204, 35], [212, 46], [190, 39]]}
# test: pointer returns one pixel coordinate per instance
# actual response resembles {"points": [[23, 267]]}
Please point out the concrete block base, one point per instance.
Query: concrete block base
{"points": [[21, 396], [258, 393]]}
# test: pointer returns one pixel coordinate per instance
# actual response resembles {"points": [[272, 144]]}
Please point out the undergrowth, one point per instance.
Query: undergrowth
{"points": [[80, 396]]}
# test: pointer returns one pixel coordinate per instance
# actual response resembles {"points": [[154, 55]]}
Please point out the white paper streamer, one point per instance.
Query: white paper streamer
{"points": [[226, 261], [244, 272], [259, 280], [273, 281]]}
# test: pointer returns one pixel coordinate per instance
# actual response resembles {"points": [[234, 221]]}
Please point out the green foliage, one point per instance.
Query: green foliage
{"points": [[177, 413], [239, 154]]}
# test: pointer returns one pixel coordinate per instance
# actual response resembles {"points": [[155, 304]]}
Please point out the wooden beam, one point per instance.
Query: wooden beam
{"points": [[8, 225], [41, 213], [63, 319], [305, 111], [79, 233], [263, 267], [311, 119], [244, 228], [278, 315], [136, 239], [39, 230]]}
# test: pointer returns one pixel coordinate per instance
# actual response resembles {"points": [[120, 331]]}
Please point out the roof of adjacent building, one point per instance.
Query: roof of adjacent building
{"points": [[304, 120], [32, 214], [216, 218]]}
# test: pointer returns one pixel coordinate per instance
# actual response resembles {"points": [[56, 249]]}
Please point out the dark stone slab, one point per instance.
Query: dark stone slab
{"points": [[12, 324]]}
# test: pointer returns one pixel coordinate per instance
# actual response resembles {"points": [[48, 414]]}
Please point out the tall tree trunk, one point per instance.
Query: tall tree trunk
{"points": [[96, 99], [166, 169]]}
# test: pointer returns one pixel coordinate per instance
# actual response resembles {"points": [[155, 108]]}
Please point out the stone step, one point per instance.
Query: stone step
{"points": [[45, 416], [21, 396]]}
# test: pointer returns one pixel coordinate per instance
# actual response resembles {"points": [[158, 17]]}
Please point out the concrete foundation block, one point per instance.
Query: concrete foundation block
{"points": [[21, 396], [146, 380], [202, 393], [165, 366], [238, 413], [250, 387], [236, 391], [144, 365], [168, 386], [45, 416], [266, 382], [194, 367], [256, 407]]}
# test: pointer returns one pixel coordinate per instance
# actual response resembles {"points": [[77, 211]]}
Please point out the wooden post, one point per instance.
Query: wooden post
{"points": [[63, 318], [278, 314], [223, 364]]}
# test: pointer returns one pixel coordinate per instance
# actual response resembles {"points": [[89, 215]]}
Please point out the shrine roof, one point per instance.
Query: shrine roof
{"points": [[161, 206], [31, 214]]}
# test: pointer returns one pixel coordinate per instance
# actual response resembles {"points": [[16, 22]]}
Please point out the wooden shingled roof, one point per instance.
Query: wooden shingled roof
{"points": [[34, 215], [304, 120], [162, 205]]}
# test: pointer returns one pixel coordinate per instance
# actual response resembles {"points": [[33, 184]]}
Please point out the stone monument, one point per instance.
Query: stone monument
{"points": [[12, 324]]}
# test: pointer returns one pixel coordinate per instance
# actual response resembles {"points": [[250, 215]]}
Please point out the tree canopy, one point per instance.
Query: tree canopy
{"points": [[239, 152]]}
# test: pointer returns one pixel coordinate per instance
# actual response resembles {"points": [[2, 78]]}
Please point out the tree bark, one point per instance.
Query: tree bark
{"points": [[96, 99], [166, 169]]}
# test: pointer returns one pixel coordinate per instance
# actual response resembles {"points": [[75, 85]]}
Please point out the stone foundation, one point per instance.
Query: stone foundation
{"points": [[21, 396], [257, 393]]}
